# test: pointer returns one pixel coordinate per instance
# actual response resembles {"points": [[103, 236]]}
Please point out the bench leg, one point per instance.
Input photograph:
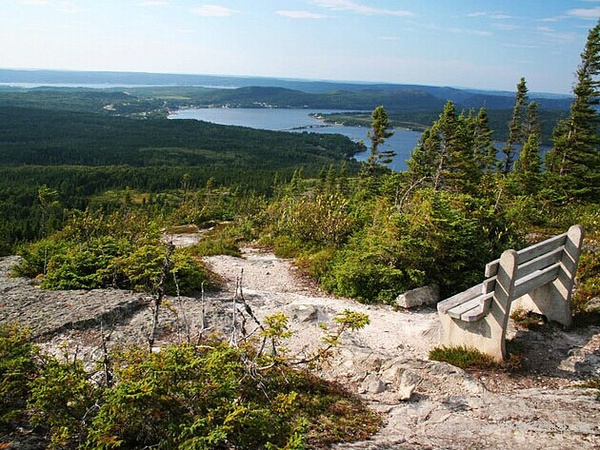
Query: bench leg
{"points": [[485, 335], [488, 333], [550, 300]]}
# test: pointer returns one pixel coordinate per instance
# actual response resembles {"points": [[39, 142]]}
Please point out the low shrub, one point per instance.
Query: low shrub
{"points": [[463, 357], [210, 396], [17, 369]]}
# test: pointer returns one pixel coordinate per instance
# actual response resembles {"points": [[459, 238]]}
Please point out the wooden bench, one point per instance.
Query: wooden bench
{"points": [[538, 278]]}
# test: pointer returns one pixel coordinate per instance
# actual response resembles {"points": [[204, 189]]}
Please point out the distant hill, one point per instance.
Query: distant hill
{"points": [[339, 93]]}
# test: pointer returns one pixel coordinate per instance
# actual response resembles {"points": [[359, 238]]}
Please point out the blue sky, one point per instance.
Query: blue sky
{"points": [[487, 44]]}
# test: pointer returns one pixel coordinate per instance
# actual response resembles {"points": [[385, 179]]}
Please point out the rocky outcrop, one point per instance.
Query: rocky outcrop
{"points": [[426, 404]]}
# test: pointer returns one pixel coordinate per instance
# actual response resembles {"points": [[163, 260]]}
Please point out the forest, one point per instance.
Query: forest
{"points": [[85, 195]]}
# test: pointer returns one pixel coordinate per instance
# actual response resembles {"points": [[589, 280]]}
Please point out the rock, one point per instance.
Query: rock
{"points": [[303, 313], [408, 383], [426, 295], [593, 306], [372, 385]]}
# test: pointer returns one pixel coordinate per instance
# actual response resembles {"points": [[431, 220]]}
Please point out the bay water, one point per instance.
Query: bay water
{"points": [[303, 120]]}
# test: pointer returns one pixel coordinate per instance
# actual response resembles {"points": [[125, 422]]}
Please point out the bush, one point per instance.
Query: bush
{"points": [[204, 397], [36, 256], [17, 369], [210, 396], [463, 357], [64, 400], [83, 266]]}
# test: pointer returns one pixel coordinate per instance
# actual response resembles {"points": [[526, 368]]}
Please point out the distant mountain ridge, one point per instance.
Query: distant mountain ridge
{"points": [[466, 98]]}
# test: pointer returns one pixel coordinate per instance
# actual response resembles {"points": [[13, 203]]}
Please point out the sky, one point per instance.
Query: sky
{"points": [[484, 44]]}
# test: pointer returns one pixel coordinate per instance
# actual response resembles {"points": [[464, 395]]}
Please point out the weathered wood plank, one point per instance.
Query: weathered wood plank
{"points": [[536, 280], [488, 285], [532, 252], [529, 253], [491, 268], [539, 263], [459, 298], [480, 311], [459, 310]]}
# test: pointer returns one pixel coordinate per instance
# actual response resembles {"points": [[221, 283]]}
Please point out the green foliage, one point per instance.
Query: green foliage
{"points": [[516, 134], [37, 255], [440, 237], [84, 267], [206, 397], [17, 369], [463, 357], [63, 400], [454, 153], [575, 158], [322, 220], [117, 250]]}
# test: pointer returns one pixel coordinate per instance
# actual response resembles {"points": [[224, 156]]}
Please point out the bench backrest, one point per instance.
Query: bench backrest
{"points": [[519, 273], [537, 265]]}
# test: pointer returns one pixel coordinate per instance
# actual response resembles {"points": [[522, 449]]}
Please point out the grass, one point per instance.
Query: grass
{"points": [[463, 357]]}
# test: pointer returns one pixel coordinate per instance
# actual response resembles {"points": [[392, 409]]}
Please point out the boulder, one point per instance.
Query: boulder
{"points": [[426, 295], [372, 384]]}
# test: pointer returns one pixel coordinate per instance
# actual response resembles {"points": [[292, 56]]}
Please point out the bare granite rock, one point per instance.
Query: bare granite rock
{"points": [[426, 295]]}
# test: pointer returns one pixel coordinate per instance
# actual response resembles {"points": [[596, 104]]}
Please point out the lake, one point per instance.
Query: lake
{"points": [[301, 120]]}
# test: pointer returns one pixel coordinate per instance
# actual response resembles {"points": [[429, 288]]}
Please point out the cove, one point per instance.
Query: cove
{"points": [[302, 120]]}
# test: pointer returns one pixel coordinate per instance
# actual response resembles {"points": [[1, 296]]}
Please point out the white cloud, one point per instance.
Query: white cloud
{"points": [[525, 46], [153, 3], [496, 16], [349, 5], [584, 13], [213, 11], [34, 2], [506, 27], [300, 14], [66, 6]]}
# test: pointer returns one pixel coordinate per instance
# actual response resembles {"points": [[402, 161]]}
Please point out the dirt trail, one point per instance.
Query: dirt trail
{"points": [[271, 285]]}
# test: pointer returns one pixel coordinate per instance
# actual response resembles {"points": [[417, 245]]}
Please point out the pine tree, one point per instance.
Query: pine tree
{"points": [[575, 158], [516, 131], [446, 155], [485, 152], [378, 134], [528, 167]]}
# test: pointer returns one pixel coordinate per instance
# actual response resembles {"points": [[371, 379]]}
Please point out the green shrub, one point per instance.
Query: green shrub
{"points": [[463, 357], [365, 276], [185, 397], [317, 265], [17, 369], [84, 266], [64, 400], [36, 256]]}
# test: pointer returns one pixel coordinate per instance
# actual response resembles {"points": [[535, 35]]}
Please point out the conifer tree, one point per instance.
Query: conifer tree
{"points": [[575, 158], [484, 150], [528, 167], [446, 155], [378, 134], [516, 130]]}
